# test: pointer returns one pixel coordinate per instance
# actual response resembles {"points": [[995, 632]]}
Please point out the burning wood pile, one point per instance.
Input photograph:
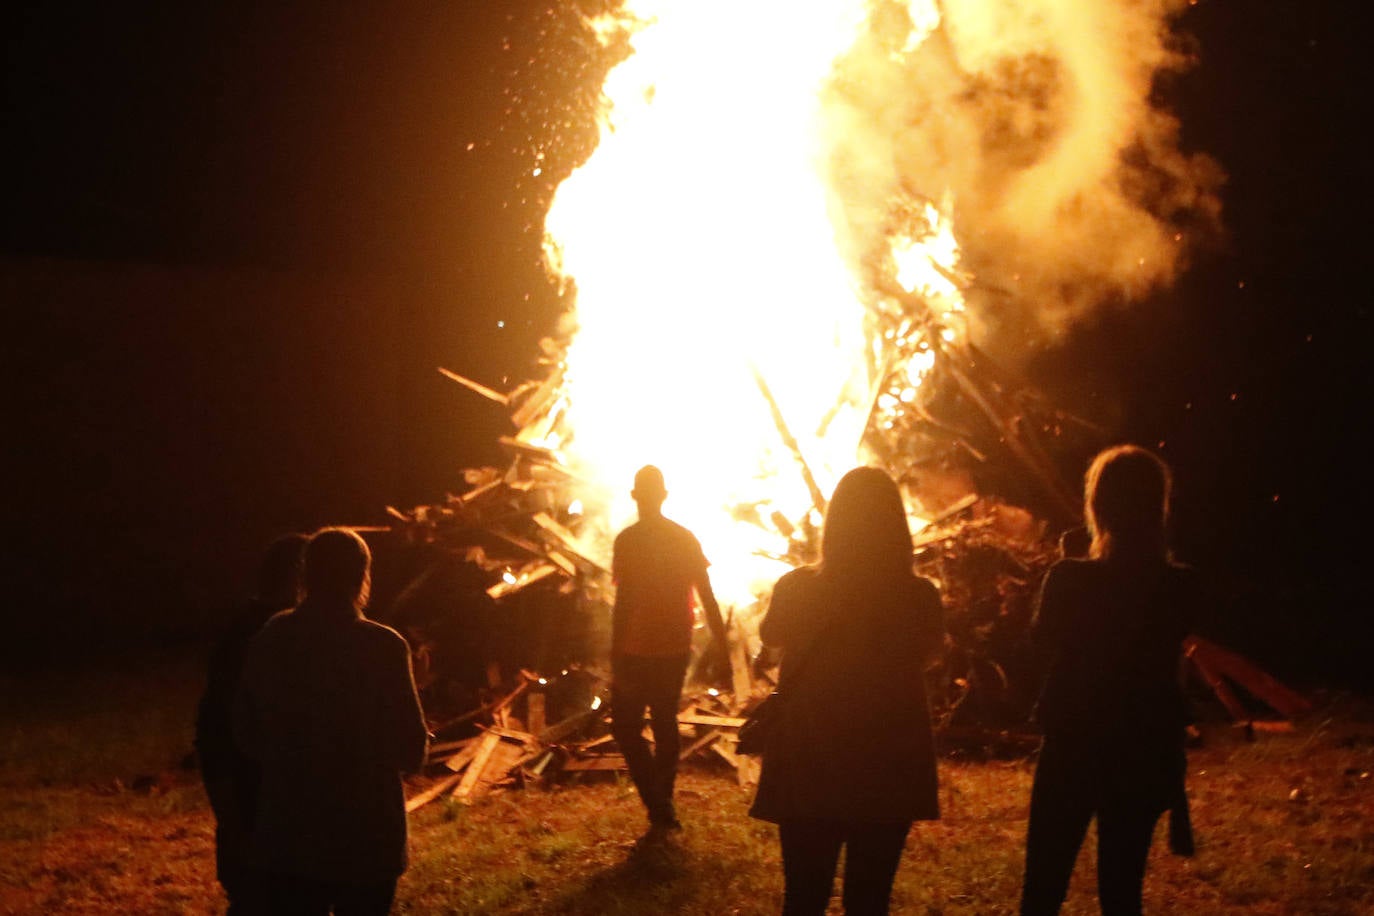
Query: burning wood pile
{"points": [[524, 527], [766, 294]]}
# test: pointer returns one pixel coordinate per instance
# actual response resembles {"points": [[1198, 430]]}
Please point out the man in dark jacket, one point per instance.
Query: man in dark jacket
{"points": [[328, 708], [231, 779]]}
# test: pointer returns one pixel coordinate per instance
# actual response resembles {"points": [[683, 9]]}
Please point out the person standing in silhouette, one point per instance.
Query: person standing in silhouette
{"points": [[1110, 628], [657, 565], [328, 708], [852, 763], [231, 779]]}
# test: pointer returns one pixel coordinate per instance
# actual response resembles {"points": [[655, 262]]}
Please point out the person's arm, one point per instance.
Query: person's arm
{"points": [[403, 718], [775, 631], [720, 646], [245, 725], [709, 606], [1048, 622]]}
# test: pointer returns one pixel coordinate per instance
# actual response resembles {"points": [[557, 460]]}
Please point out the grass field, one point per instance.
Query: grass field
{"points": [[98, 815]]}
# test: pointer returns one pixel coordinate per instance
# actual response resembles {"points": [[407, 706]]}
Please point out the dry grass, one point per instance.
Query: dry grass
{"points": [[1284, 825]]}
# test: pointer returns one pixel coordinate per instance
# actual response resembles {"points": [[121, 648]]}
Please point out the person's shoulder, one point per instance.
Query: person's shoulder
{"points": [[924, 589], [1074, 569], [274, 627], [386, 638], [799, 579], [681, 532]]}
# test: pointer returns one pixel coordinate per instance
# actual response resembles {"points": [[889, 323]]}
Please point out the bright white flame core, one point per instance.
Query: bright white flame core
{"points": [[703, 253]]}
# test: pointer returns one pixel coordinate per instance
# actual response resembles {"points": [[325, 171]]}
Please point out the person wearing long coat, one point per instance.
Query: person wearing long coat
{"points": [[328, 708], [852, 762]]}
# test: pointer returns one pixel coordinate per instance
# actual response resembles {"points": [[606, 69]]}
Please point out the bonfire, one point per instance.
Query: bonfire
{"points": [[778, 262]]}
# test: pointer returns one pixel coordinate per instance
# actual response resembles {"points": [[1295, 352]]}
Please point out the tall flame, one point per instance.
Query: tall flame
{"points": [[716, 238]]}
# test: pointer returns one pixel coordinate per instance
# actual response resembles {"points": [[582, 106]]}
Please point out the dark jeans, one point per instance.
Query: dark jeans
{"points": [[639, 683], [1070, 788], [232, 796], [811, 850], [291, 895]]}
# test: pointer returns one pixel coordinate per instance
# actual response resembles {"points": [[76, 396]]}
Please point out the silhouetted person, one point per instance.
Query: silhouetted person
{"points": [[328, 707], [1112, 711], [231, 779], [852, 763], [657, 565]]}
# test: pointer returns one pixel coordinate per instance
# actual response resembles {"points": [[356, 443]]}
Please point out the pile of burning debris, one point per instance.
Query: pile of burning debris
{"points": [[515, 531]]}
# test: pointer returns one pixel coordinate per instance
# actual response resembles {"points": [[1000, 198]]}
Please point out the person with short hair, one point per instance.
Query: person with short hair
{"points": [[1110, 627], [657, 566], [328, 708]]}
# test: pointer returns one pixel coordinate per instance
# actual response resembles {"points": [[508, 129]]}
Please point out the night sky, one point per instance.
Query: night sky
{"points": [[239, 238]]}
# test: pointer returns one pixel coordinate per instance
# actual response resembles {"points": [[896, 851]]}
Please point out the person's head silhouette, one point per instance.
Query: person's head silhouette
{"points": [[649, 490], [279, 575], [338, 569], [865, 526], [1126, 501]]}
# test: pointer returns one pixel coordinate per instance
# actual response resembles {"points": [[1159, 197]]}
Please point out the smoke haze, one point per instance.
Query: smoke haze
{"points": [[1038, 122]]}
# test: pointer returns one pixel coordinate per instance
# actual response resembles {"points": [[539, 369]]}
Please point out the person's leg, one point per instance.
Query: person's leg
{"points": [[628, 702], [872, 853], [664, 695], [1124, 832], [292, 895], [364, 899], [1063, 796], [810, 852]]}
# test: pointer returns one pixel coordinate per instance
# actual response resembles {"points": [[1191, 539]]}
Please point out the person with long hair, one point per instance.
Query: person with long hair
{"points": [[327, 706], [852, 763], [1110, 628]]}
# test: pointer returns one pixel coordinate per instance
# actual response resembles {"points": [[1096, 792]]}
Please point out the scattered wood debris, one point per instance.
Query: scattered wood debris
{"points": [[497, 756]]}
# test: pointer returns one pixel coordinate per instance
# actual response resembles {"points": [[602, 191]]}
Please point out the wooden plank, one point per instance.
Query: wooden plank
{"points": [[727, 753], [747, 772], [528, 576], [570, 726], [462, 758], [534, 714], [436, 751], [477, 387], [504, 758], [433, 792], [479, 762], [562, 562], [699, 743], [741, 681], [569, 541], [514, 734], [785, 433], [594, 742], [540, 400], [693, 718], [596, 762], [1283, 699]]}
